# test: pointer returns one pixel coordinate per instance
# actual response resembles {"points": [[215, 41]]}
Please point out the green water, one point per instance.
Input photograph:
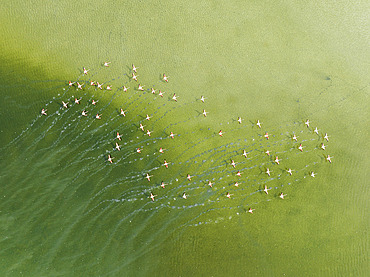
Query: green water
{"points": [[67, 211]]}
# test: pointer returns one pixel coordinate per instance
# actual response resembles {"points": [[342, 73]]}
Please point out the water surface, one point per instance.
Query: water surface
{"points": [[67, 211]]}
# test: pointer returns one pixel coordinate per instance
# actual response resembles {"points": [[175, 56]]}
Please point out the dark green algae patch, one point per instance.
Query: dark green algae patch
{"points": [[75, 197]]}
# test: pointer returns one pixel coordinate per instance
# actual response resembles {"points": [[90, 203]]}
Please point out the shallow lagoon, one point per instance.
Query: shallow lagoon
{"points": [[66, 211]]}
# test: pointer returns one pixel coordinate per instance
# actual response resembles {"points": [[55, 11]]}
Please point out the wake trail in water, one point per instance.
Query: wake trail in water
{"points": [[70, 153]]}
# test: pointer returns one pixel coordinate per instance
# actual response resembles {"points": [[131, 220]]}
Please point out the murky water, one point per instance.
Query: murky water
{"points": [[67, 210]]}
